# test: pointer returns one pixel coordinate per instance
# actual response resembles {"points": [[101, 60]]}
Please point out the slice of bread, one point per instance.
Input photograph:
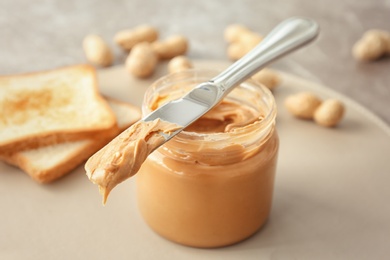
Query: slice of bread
{"points": [[46, 164], [51, 107]]}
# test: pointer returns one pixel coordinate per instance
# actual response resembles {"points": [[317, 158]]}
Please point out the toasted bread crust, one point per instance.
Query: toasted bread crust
{"points": [[51, 174], [36, 141], [75, 157], [29, 141]]}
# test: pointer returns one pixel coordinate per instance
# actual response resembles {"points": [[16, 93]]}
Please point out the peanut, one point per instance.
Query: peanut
{"points": [[233, 32], [267, 77], [329, 113], [173, 46], [241, 40], [373, 45], [97, 51], [127, 39], [179, 63], [141, 61], [236, 50], [302, 105]]}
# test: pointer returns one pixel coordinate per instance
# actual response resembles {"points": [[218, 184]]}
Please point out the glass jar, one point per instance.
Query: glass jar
{"points": [[210, 189]]}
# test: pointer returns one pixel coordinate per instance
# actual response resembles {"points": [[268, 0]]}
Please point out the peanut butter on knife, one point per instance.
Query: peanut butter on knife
{"points": [[123, 156]]}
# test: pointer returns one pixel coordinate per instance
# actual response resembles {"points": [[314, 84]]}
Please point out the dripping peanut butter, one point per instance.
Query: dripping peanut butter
{"points": [[124, 155]]}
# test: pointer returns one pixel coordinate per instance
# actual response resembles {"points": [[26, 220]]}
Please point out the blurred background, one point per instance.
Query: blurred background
{"points": [[44, 34]]}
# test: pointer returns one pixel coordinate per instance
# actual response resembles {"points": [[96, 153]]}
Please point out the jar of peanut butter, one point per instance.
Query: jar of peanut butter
{"points": [[212, 184]]}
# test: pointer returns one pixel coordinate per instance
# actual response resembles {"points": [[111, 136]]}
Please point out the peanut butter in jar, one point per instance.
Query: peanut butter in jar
{"points": [[212, 184]]}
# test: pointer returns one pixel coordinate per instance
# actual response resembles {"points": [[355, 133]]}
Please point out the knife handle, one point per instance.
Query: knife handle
{"points": [[283, 39]]}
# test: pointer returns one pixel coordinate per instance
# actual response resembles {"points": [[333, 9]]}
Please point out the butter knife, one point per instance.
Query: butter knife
{"points": [[288, 36]]}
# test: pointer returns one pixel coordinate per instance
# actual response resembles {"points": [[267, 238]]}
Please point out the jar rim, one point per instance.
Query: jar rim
{"points": [[266, 121]]}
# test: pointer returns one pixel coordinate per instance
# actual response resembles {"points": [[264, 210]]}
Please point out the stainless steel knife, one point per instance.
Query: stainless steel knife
{"points": [[288, 36]]}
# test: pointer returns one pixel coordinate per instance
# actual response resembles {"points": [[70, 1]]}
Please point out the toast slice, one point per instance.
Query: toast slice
{"points": [[50, 107], [46, 164]]}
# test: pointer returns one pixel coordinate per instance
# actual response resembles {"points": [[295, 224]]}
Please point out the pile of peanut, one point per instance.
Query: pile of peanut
{"points": [[373, 45], [306, 105], [303, 105], [145, 50]]}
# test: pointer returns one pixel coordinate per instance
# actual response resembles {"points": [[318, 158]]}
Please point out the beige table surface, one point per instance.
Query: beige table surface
{"points": [[330, 199], [40, 34]]}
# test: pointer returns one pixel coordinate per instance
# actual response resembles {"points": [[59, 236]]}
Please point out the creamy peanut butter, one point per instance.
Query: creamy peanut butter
{"points": [[213, 187], [225, 117], [124, 155], [212, 184], [218, 199]]}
